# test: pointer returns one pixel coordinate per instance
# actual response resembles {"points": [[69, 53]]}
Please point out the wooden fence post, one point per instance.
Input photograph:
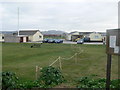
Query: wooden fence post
{"points": [[60, 63], [36, 74], [75, 58]]}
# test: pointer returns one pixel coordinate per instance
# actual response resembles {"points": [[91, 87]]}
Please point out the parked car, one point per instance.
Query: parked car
{"points": [[77, 39], [51, 40], [61, 40], [81, 41], [45, 40], [86, 39], [58, 41]]}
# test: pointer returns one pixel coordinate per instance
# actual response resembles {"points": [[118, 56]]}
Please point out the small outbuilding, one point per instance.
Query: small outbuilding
{"points": [[73, 36], [95, 36], [15, 38], [33, 35]]}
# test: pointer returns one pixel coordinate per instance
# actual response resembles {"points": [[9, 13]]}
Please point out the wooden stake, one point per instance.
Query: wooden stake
{"points": [[60, 63], [75, 58], [36, 72]]}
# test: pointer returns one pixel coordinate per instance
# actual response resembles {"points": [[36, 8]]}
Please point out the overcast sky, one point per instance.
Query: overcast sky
{"points": [[65, 15]]}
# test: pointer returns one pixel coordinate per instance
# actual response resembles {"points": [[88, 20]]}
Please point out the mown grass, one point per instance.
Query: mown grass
{"points": [[20, 58]]}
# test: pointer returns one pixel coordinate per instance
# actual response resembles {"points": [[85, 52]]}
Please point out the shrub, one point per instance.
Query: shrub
{"points": [[29, 85], [50, 77], [9, 80], [87, 82], [115, 83]]}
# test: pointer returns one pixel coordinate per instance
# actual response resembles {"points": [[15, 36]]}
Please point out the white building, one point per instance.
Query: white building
{"points": [[73, 35], [95, 37], [33, 35]]}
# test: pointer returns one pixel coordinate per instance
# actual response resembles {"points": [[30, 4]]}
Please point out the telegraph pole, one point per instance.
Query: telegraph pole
{"points": [[18, 21]]}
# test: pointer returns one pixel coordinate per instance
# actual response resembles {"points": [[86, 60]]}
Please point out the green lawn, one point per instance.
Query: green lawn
{"points": [[20, 58]]}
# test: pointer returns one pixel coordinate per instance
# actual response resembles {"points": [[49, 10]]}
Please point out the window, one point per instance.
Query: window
{"points": [[40, 36], [96, 37], [2, 37]]}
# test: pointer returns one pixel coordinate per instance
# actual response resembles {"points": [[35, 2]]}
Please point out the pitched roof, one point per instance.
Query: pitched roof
{"points": [[27, 32]]}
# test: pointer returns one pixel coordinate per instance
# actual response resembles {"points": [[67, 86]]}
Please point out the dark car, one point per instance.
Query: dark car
{"points": [[61, 40], [81, 41], [51, 41], [58, 41], [86, 39], [45, 40]]}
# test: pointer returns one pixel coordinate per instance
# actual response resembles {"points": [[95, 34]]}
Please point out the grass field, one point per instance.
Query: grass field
{"points": [[20, 58]]}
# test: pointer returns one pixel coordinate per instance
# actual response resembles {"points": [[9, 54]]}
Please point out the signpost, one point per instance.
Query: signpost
{"points": [[112, 48]]}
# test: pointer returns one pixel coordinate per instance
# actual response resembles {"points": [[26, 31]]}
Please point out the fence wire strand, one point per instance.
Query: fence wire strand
{"points": [[61, 58]]}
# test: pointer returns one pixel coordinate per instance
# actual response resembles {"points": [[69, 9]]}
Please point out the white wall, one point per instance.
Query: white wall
{"points": [[24, 39], [36, 36], [30, 38], [95, 37], [11, 38], [68, 37]]}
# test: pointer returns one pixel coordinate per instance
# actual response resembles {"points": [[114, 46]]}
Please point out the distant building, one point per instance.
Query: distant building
{"points": [[24, 36], [1, 37], [68, 36], [15, 38], [95, 36], [74, 35], [52, 36], [33, 35]]}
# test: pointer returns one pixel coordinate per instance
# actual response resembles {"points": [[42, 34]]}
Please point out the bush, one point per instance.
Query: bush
{"points": [[50, 77], [115, 83], [87, 82], [9, 80], [29, 85]]}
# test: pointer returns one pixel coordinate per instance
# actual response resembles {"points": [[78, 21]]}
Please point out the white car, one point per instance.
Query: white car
{"points": [[81, 41]]}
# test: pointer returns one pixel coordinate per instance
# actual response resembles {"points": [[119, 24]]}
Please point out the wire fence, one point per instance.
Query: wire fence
{"points": [[59, 61]]}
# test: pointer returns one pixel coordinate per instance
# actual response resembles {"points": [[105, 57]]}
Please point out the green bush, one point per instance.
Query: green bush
{"points": [[9, 80], [29, 85], [87, 82], [50, 77], [115, 83]]}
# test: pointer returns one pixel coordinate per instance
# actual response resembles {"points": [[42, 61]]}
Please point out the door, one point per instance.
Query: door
{"points": [[26, 39], [21, 39]]}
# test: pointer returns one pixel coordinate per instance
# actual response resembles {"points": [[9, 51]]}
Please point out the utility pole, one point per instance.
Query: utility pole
{"points": [[18, 21]]}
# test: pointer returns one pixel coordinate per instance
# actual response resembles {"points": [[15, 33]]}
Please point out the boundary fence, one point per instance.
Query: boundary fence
{"points": [[60, 59]]}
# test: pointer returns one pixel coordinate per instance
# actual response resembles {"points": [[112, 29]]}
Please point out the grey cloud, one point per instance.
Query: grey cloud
{"points": [[61, 15]]}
